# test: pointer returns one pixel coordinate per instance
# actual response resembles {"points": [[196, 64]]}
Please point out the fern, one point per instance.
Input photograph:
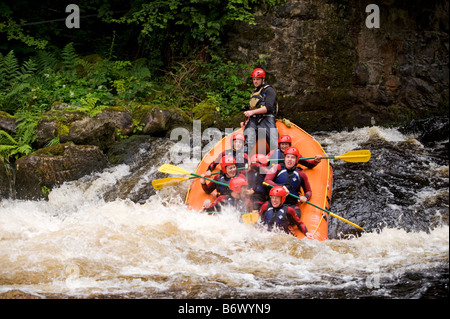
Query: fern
{"points": [[46, 62], [15, 81], [8, 145], [16, 90], [28, 68], [2, 72], [27, 121], [21, 143], [89, 105], [87, 67], [140, 71], [6, 139], [54, 141], [9, 69], [11, 65], [69, 56], [22, 149]]}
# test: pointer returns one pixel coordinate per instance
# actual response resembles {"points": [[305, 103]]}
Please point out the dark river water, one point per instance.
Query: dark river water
{"points": [[111, 235]]}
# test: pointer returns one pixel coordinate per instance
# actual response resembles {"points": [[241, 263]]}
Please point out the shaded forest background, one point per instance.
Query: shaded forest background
{"points": [[125, 53], [195, 56]]}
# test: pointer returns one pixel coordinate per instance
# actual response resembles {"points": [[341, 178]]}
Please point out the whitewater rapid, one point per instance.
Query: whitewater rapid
{"points": [[79, 245]]}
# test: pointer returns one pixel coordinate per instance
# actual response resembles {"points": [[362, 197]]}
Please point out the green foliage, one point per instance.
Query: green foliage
{"points": [[218, 79], [15, 32], [21, 143], [184, 65], [68, 78], [69, 57], [89, 105], [45, 190], [179, 26], [14, 81]]}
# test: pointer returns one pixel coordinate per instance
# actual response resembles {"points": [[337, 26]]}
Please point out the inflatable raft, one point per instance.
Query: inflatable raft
{"points": [[320, 178]]}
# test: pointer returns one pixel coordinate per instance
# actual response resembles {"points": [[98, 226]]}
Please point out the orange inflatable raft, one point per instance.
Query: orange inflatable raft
{"points": [[320, 178]]}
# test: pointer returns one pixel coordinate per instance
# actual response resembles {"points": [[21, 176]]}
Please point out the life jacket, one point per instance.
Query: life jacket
{"points": [[276, 217], [257, 98], [237, 203], [275, 156], [289, 178], [240, 157], [221, 189], [255, 181]]}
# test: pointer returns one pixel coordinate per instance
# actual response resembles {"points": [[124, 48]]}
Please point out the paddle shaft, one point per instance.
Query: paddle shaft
{"points": [[323, 157], [327, 211], [239, 169], [175, 180], [303, 158], [210, 179], [172, 169], [248, 218], [334, 215], [213, 180], [352, 156]]}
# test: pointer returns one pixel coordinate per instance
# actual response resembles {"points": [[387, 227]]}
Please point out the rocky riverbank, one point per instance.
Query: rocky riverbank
{"points": [[86, 145]]}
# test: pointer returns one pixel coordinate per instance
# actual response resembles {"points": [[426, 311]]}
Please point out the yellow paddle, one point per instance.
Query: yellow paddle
{"points": [[170, 181], [358, 156], [249, 218], [327, 211], [172, 169]]}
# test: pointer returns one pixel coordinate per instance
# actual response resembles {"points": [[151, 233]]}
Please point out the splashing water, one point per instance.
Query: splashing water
{"points": [[84, 244]]}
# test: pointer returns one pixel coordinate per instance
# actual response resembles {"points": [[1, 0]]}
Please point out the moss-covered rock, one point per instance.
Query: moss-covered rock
{"points": [[7, 123], [48, 167], [157, 121], [72, 125], [207, 112]]}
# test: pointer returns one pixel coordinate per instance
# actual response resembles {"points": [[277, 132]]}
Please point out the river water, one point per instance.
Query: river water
{"points": [[98, 238]]}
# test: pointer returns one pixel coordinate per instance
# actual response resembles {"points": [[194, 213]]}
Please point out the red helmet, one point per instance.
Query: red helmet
{"points": [[285, 139], [236, 183], [292, 150], [237, 136], [258, 73], [259, 160], [226, 161], [279, 191]]}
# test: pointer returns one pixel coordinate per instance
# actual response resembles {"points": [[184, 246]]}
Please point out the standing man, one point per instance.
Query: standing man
{"points": [[261, 115]]}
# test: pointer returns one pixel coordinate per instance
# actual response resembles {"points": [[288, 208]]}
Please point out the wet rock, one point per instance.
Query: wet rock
{"points": [[143, 154], [206, 111], [7, 123], [321, 58], [361, 75], [48, 167], [6, 180], [80, 128], [429, 130], [129, 150], [119, 118], [91, 131], [156, 121]]}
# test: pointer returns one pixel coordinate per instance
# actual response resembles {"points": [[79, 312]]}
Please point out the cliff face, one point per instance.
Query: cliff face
{"points": [[332, 71]]}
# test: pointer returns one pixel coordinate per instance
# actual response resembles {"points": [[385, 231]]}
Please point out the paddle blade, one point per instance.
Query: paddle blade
{"points": [[172, 169], [169, 181], [355, 156], [250, 218]]}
